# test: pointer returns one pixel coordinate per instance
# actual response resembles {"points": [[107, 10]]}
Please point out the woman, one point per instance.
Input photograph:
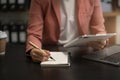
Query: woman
{"points": [[54, 22]]}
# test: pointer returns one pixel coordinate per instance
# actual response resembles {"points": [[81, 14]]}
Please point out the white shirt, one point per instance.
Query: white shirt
{"points": [[69, 28]]}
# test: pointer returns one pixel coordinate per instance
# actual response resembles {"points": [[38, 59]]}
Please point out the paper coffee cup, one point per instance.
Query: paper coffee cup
{"points": [[3, 37]]}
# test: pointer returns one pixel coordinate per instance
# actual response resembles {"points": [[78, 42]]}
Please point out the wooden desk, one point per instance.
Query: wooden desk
{"points": [[15, 66]]}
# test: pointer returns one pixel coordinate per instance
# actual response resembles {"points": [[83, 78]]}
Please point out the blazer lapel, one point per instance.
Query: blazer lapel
{"points": [[56, 7], [80, 18]]}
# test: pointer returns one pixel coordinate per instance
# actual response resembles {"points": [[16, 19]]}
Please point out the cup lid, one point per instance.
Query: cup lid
{"points": [[3, 35]]}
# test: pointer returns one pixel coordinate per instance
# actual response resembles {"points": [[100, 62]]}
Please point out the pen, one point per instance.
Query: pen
{"points": [[35, 46]]}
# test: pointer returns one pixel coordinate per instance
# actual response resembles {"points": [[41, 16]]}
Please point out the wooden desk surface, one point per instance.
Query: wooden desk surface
{"points": [[15, 66]]}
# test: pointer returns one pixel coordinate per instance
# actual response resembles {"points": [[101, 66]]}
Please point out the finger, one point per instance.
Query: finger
{"points": [[99, 46], [42, 59], [45, 53], [45, 58], [40, 53], [35, 54], [102, 42], [93, 44], [38, 59], [96, 45], [48, 53]]}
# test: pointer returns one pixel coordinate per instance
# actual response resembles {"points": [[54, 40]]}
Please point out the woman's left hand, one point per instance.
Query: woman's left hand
{"points": [[97, 45]]}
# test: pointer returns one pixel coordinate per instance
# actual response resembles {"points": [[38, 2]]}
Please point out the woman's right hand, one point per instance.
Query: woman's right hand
{"points": [[38, 56]]}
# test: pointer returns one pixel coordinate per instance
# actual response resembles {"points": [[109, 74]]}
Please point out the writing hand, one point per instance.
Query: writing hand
{"points": [[38, 56]]}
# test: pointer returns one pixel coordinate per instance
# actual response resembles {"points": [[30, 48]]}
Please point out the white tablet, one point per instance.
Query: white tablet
{"points": [[81, 40]]}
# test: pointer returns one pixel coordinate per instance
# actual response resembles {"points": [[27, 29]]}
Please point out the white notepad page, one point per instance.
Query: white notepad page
{"points": [[61, 59]]}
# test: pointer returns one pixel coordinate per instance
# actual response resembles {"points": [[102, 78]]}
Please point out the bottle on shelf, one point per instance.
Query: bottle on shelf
{"points": [[13, 33], [3, 5], [21, 4], [12, 5], [22, 33]]}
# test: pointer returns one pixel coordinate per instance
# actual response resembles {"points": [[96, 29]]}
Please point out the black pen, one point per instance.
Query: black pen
{"points": [[35, 46]]}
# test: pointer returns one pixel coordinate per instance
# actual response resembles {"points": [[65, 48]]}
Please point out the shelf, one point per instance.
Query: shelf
{"points": [[111, 14]]}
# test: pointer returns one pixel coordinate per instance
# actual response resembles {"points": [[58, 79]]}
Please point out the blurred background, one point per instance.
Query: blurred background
{"points": [[14, 19]]}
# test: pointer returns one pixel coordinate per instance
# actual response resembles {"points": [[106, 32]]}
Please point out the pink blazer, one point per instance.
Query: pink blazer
{"points": [[45, 20]]}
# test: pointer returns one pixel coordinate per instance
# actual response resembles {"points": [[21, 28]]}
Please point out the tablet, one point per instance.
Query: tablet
{"points": [[81, 40]]}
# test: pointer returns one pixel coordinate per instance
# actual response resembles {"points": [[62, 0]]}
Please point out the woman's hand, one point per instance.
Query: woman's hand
{"points": [[38, 56], [97, 45]]}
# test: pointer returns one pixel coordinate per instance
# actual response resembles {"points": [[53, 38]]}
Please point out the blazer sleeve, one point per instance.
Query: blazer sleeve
{"points": [[35, 25], [97, 19]]}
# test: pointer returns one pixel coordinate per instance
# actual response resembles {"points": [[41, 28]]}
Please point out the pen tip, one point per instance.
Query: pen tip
{"points": [[52, 58]]}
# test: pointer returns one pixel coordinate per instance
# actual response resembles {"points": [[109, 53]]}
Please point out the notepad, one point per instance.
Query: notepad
{"points": [[61, 60]]}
